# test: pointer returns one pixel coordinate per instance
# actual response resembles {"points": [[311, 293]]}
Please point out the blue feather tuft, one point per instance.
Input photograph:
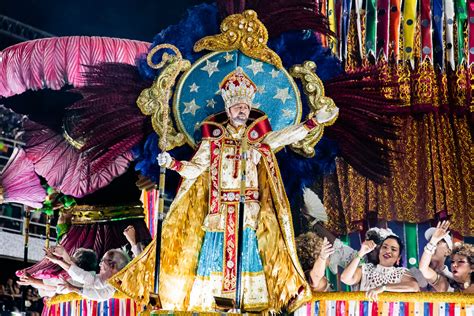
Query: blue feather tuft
{"points": [[295, 47], [297, 172], [145, 158]]}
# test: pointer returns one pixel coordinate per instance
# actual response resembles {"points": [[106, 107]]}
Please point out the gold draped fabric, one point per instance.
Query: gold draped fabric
{"points": [[434, 175], [178, 259], [182, 238]]}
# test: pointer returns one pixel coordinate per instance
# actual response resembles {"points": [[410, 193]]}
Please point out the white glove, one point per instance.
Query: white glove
{"points": [[164, 159]]}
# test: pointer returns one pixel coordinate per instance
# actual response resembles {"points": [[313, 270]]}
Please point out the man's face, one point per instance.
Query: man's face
{"points": [[239, 114], [107, 265]]}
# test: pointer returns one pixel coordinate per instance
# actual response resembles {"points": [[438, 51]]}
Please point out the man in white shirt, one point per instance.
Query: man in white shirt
{"points": [[94, 286], [84, 258]]}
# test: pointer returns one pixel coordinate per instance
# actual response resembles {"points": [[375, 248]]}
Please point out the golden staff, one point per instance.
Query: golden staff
{"points": [[154, 101], [240, 234]]}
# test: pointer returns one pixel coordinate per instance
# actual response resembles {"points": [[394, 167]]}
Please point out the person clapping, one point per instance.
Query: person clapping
{"points": [[313, 253]]}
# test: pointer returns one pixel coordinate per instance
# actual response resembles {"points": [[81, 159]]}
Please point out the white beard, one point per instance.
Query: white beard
{"points": [[238, 120]]}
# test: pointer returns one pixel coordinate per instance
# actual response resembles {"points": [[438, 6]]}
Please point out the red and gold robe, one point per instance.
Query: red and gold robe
{"points": [[202, 204]]}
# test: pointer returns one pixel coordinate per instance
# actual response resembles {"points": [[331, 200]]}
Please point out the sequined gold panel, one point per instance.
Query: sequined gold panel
{"points": [[433, 176]]}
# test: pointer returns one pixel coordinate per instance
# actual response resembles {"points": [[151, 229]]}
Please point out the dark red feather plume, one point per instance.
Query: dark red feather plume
{"points": [[106, 121], [365, 124], [108, 113], [280, 16]]}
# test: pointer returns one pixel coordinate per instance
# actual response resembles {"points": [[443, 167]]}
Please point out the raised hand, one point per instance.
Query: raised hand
{"points": [[326, 114], [440, 231], [50, 255], [130, 234], [366, 247], [48, 251], [26, 280], [59, 251], [23, 283], [326, 250]]}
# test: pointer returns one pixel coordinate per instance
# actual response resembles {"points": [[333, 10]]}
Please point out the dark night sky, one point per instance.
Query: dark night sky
{"points": [[133, 19]]}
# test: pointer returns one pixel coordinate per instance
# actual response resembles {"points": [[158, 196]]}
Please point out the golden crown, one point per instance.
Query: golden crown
{"points": [[236, 88]]}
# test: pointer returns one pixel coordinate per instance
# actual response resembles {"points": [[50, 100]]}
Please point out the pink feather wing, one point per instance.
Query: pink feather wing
{"points": [[20, 182], [55, 62]]}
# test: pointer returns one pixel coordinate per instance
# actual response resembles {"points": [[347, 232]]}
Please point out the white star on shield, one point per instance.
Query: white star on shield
{"points": [[211, 67], [194, 87], [256, 67], [191, 107], [282, 95]]}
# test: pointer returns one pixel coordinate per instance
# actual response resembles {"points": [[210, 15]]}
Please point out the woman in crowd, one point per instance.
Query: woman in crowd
{"points": [[386, 275], [313, 252], [12, 289], [11, 296], [462, 264]]}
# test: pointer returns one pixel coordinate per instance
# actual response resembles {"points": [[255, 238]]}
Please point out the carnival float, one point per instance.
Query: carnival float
{"points": [[383, 90]]}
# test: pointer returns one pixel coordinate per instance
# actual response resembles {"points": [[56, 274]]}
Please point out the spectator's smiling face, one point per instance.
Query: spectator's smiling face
{"points": [[389, 253]]}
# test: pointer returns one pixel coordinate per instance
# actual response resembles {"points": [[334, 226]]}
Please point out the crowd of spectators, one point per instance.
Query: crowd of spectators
{"points": [[11, 299], [377, 266], [83, 274], [10, 123]]}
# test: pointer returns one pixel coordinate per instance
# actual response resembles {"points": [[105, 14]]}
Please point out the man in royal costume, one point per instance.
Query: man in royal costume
{"points": [[199, 240]]}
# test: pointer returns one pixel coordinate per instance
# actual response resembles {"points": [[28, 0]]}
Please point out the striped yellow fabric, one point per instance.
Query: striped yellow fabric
{"points": [[409, 27], [332, 41]]}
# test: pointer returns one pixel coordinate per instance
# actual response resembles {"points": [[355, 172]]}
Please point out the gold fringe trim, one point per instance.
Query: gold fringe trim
{"points": [[283, 278], [430, 297]]}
